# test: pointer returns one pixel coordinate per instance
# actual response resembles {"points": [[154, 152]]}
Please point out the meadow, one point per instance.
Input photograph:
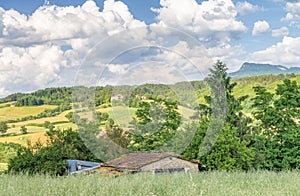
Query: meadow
{"points": [[208, 183], [13, 113]]}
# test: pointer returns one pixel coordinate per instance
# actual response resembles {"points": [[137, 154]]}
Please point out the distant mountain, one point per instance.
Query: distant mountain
{"points": [[254, 69]]}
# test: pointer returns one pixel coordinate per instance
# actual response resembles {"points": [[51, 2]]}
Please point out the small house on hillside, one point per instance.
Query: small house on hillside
{"points": [[150, 162], [117, 97]]}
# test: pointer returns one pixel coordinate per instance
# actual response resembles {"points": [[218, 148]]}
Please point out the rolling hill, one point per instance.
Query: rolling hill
{"points": [[10, 112]]}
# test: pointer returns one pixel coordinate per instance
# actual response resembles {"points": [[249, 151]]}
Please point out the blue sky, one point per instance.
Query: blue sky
{"points": [[49, 43]]}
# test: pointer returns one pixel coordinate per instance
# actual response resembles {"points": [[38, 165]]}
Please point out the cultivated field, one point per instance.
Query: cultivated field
{"points": [[210, 183]]}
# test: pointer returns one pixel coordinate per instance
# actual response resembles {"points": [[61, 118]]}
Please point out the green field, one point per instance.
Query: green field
{"points": [[210, 183]]}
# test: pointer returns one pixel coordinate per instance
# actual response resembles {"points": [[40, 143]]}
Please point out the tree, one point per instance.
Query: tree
{"points": [[278, 138], [51, 158], [3, 127], [118, 135], [229, 152], [222, 139], [23, 129], [49, 125], [155, 124]]}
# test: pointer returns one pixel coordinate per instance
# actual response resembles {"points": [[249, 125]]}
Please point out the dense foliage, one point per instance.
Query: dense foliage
{"points": [[155, 124], [3, 127], [224, 145], [278, 130], [7, 151], [51, 158]]}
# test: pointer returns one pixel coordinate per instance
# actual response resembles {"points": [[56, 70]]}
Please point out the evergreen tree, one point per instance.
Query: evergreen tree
{"points": [[222, 139]]}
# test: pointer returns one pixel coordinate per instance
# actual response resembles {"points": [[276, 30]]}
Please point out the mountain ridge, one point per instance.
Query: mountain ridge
{"points": [[257, 69]]}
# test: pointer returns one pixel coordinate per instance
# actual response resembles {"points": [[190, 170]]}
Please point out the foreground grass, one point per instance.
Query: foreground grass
{"points": [[211, 183]]}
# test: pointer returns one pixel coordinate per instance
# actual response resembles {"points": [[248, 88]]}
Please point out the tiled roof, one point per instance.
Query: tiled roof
{"points": [[137, 160]]}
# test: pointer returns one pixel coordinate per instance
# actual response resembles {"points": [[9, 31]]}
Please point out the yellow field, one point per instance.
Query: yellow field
{"points": [[66, 126], [23, 139], [29, 129], [58, 118], [13, 113], [7, 103]]}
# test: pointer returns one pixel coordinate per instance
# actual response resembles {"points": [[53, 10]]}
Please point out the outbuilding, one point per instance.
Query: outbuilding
{"points": [[151, 162]]}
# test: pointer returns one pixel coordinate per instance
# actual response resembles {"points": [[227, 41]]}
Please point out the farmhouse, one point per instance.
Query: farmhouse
{"points": [[150, 162]]}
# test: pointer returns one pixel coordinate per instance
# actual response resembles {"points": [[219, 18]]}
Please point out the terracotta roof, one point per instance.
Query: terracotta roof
{"points": [[137, 160]]}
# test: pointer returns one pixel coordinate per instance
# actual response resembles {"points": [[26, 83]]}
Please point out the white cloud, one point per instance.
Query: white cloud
{"points": [[30, 68], [213, 20], [293, 11], [32, 56], [246, 7], [260, 27], [45, 48], [286, 52], [118, 68], [284, 31]]}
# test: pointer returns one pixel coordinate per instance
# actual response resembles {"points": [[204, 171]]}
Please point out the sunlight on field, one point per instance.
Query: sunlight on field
{"points": [[66, 126], [3, 167], [58, 118], [7, 104], [23, 139], [121, 114], [13, 113], [29, 129]]}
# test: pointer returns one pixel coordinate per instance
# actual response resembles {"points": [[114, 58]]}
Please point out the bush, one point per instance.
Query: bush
{"points": [[50, 158]]}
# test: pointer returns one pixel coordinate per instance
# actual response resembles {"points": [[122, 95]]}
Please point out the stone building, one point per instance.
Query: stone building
{"points": [[151, 162]]}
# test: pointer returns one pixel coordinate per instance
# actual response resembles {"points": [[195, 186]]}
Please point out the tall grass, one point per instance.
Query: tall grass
{"points": [[210, 183]]}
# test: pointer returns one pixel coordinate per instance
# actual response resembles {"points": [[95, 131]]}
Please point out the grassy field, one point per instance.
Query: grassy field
{"points": [[210, 183], [23, 139], [13, 113]]}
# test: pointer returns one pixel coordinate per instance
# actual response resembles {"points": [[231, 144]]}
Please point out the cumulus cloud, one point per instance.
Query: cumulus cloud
{"points": [[37, 49], [286, 52], [246, 7], [46, 48], [260, 27], [30, 68], [284, 31], [213, 21], [293, 11]]}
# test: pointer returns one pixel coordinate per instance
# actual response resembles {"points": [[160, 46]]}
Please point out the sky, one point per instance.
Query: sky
{"points": [[108, 42]]}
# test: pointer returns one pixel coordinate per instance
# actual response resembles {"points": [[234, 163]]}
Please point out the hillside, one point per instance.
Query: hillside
{"points": [[34, 117]]}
